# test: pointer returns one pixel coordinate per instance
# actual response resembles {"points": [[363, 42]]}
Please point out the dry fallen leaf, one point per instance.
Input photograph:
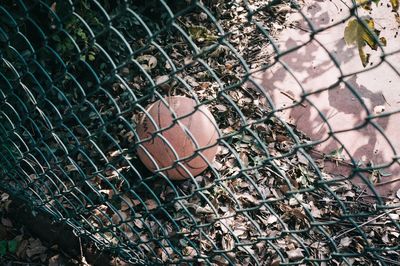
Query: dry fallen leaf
{"points": [[394, 216], [55, 260], [315, 212], [21, 250], [148, 62], [162, 82], [221, 108], [119, 217], [6, 222], [127, 203], [151, 204], [295, 254], [189, 252], [345, 242], [272, 219], [35, 247]]}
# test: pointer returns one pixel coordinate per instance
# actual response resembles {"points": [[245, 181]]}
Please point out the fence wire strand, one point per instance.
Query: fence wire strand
{"points": [[76, 82]]}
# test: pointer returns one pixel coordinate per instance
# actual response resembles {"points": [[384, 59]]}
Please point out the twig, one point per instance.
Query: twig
{"points": [[83, 259], [292, 98], [389, 260], [326, 157], [387, 182], [362, 192], [367, 222], [384, 98], [374, 196]]}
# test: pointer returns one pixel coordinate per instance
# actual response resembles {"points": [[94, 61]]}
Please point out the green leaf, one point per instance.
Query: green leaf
{"points": [[56, 38], [368, 34], [395, 4], [337, 153], [91, 57], [363, 56], [200, 33], [356, 33], [12, 245], [3, 247], [366, 4], [351, 34]]}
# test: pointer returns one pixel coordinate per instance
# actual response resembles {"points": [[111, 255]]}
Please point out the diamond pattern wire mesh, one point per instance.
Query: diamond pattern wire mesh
{"points": [[76, 78]]}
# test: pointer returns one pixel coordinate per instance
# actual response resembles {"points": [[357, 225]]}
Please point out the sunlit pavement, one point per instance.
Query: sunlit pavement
{"points": [[313, 70]]}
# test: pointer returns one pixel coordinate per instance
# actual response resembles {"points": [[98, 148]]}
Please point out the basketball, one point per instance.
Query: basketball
{"points": [[177, 136]]}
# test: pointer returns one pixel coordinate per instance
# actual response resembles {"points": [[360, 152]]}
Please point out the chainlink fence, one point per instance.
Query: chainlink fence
{"points": [[77, 78]]}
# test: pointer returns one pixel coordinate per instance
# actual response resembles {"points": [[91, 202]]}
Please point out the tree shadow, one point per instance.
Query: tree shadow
{"points": [[335, 108]]}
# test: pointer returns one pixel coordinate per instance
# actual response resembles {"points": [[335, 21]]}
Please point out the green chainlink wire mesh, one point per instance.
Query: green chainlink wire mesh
{"points": [[77, 76]]}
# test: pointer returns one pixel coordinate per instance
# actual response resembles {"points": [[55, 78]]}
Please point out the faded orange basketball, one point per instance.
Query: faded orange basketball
{"points": [[177, 141]]}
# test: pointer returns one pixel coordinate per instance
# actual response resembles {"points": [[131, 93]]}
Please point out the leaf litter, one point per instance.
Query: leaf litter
{"points": [[263, 201], [18, 247]]}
